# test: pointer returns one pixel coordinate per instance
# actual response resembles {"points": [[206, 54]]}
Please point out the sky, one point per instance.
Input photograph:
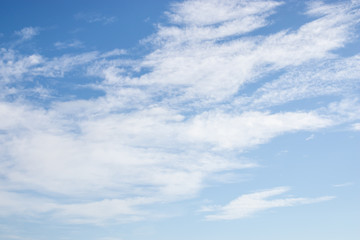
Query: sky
{"points": [[172, 120]]}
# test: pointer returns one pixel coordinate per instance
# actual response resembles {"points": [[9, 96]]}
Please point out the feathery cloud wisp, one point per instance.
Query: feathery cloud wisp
{"points": [[249, 204]]}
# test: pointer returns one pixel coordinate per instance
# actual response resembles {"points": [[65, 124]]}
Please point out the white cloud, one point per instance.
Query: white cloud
{"points": [[69, 44], [356, 126], [114, 53], [208, 20], [346, 110], [222, 68], [310, 137], [200, 12], [330, 77], [27, 33], [153, 152], [249, 204], [95, 212], [14, 66], [250, 128], [173, 120], [347, 184], [57, 67]]}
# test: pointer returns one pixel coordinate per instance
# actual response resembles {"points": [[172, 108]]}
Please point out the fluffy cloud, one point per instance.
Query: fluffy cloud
{"points": [[27, 33]]}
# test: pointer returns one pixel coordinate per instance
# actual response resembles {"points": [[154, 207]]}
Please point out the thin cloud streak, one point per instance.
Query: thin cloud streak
{"points": [[347, 184], [95, 18], [250, 204]]}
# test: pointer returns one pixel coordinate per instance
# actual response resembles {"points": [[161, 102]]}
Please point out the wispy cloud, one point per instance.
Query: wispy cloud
{"points": [[330, 77], [69, 44], [356, 126], [207, 20], [27, 33], [249, 204], [173, 119], [95, 18], [208, 13], [347, 184], [14, 65], [218, 75], [312, 136]]}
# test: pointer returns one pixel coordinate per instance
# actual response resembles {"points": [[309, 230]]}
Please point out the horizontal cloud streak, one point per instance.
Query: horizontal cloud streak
{"points": [[249, 204]]}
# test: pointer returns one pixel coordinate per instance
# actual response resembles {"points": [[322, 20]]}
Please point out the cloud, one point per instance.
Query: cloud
{"points": [[114, 53], [250, 128], [343, 184], [224, 67], [69, 44], [153, 152], [249, 204], [310, 137], [145, 153], [95, 212], [208, 20], [172, 121], [330, 77], [356, 126], [95, 18], [201, 13], [27, 33], [14, 67], [17, 67]]}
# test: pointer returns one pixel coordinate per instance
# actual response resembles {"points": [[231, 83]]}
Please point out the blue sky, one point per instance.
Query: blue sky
{"points": [[169, 120]]}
